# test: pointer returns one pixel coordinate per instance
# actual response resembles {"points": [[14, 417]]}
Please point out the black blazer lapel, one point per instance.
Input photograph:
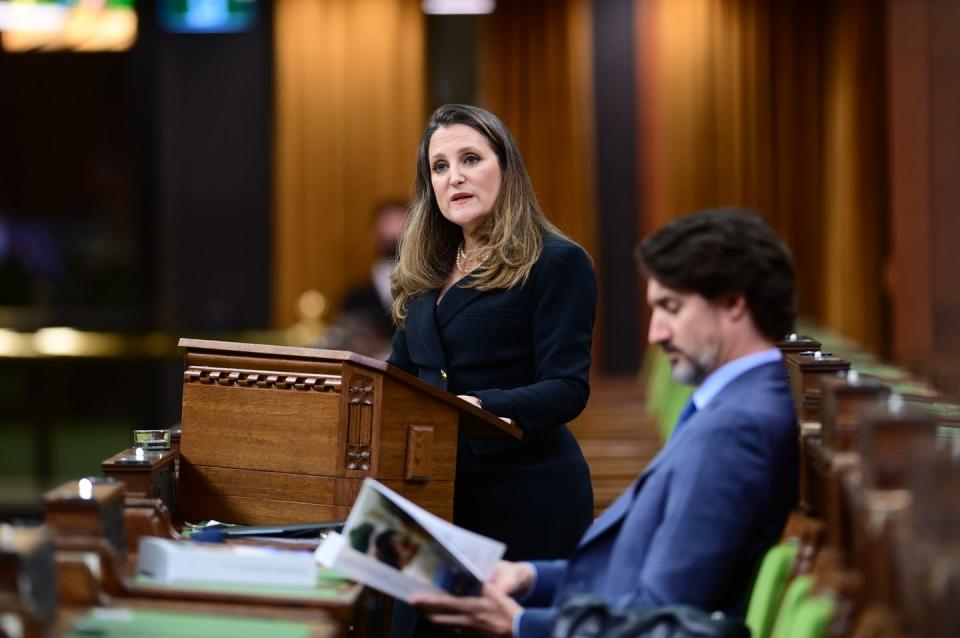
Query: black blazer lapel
{"points": [[454, 301], [432, 358]]}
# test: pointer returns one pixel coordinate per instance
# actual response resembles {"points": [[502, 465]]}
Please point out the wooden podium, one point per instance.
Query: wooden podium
{"points": [[276, 434]]}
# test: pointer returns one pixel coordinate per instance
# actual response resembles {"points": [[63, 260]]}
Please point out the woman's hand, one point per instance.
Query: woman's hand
{"points": [[475, 401], [470, 399]]}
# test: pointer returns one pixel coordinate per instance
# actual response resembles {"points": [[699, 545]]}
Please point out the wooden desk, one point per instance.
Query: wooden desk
{"points": [[94, 569]]}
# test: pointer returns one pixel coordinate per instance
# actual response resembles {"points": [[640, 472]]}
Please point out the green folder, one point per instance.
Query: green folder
{"points": [[133, 623]]}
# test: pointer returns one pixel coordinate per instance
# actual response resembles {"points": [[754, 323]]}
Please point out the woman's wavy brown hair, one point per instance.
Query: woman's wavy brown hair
{"points": [[512, 235]]}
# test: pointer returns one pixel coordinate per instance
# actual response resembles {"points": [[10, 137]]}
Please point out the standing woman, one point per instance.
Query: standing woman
{"points": [[494, 304]]}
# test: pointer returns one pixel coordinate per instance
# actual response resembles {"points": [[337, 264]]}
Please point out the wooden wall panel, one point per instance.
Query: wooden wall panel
{"points": [[924, 166]]}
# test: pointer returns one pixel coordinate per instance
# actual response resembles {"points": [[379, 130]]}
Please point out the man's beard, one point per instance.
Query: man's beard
{"points": [[693, 373]]}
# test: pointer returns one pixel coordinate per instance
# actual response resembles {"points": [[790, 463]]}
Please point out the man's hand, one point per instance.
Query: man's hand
{"points": [[491, 614], [512, 579]]}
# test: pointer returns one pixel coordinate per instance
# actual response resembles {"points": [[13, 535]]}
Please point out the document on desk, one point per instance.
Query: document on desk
{"points": [[184, 562], [399, 548]]}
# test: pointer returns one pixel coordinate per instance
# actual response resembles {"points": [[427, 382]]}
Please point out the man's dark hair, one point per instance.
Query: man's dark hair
{"points": [[724, 252]]}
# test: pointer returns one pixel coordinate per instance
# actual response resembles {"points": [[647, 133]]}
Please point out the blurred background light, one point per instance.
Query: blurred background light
{"points": [[73, 25], [14, 344], [208, 16], [458, 7], [21, 16], [58, 341]]}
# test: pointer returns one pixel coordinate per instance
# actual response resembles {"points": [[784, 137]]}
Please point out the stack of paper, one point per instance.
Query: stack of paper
{"points": [[182, 561]]}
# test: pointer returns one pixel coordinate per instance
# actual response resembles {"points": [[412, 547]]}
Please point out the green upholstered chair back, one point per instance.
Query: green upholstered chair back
{"points": [[812, 618], [768, 589], [796, 593]]}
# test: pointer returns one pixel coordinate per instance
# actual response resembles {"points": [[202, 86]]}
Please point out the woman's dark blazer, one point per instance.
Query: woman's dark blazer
{"points": [[525, 353]]}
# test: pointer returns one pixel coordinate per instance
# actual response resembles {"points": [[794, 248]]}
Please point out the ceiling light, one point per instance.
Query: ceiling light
{"points": [[458, 7]]}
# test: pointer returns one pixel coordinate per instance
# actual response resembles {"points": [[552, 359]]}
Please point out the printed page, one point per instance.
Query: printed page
{"points": [[385, 531], [476, 552], [335, 552]]}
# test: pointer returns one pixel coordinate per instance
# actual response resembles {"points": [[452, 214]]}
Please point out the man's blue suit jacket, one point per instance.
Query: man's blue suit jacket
{"points": [[694, 525]]}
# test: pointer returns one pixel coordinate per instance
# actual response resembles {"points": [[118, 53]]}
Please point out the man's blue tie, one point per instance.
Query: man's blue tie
{"points": [[688, 411]]}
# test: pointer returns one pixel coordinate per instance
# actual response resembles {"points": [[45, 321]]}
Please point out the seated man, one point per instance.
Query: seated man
{"points": [[694, 525]]}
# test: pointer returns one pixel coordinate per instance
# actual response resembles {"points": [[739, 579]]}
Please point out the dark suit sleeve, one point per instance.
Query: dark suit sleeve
{"points": [[564, 303], [399, 354], [709, 515]]}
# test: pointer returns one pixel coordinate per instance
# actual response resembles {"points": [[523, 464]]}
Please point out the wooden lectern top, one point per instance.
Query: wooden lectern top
{"points": [[474, 422]]}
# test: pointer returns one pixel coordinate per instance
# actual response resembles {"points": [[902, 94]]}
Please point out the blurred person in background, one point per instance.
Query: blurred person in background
{"points": [[366, 319]]}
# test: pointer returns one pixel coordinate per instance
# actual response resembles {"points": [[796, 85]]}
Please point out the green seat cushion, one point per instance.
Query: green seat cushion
{"points": [[768, 589]]}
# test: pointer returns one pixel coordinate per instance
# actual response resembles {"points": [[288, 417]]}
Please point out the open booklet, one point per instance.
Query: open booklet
{"points": [[399, 548]]}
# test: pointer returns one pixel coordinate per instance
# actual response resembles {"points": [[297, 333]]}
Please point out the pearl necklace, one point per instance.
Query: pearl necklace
{"points": [[462, 261]]}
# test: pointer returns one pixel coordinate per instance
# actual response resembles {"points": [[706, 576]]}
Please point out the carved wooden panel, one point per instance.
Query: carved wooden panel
{"points": [[360, 422], [262, 379]]}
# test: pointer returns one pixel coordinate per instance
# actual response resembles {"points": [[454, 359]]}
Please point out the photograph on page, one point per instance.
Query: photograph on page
{"points": [[381, 530]]}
